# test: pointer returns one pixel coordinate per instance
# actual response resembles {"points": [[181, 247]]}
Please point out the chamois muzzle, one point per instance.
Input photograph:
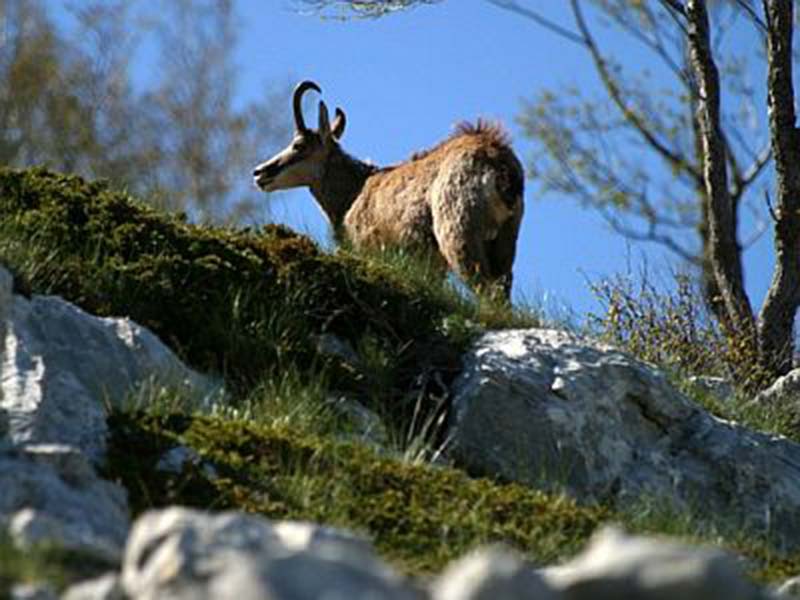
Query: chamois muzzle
{"points": [[264, 174]]}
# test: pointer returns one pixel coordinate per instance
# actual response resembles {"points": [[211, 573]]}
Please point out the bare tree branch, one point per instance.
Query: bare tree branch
{"points": [[747, 8], [512, 6], [360, 8], [672, 157], [651, 235], [675, 5], [747, 177]]}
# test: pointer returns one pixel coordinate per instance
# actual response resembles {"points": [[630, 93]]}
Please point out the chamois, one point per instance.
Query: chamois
{"points": [[461, 200]]}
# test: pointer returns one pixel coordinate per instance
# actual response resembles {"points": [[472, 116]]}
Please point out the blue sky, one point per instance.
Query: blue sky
{"points": [[406, 79]]}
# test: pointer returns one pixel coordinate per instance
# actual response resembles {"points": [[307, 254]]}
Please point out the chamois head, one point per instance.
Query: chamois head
{"points": [[302, 162]]}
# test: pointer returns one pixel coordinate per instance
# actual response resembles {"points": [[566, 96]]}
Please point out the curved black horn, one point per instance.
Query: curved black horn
{"points": [[301, 89], [339, 123]]}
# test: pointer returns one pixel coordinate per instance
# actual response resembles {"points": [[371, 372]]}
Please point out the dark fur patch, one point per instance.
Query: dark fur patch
{"points": [[494, 132]]}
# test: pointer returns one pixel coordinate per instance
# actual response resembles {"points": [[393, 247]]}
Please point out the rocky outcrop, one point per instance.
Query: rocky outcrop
{"points": [[549, 409], [179, 553], [62, 367], [491, 574], [107, 587], [50, 493], [615, 565], [623, 430], [784, 392]]}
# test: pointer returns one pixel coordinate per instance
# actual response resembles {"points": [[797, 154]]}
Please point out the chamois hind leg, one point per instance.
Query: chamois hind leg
{"points": [[458, 208], [501, 252]]}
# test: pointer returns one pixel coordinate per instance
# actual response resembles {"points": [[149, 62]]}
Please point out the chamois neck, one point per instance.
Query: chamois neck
{"points": [[342, 179]]}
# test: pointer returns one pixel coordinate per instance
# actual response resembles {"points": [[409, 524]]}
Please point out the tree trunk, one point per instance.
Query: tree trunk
{"points": [[724, 251], [711, 291], [776, 321]]}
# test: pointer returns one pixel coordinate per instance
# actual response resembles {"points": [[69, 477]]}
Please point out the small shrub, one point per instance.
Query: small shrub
{"points": [[668, 328], [674, 330]]}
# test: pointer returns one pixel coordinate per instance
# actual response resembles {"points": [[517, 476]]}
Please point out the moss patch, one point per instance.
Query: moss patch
{"points": [[43, 563], [239, 302], [419, 517]]}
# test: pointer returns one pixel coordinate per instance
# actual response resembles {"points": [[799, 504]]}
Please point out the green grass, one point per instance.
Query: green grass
{"points": [[256, 306], [776, 418], [43, 563], [420, 517], [239, 302]]}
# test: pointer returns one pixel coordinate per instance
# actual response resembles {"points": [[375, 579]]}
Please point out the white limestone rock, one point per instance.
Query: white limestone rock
{"points": [[50, 493], [616, 565], [785, 391], [179, 553], [491, 574], [106, 587], [60, 367], [32, 591], [550, 409], [788, 590]]}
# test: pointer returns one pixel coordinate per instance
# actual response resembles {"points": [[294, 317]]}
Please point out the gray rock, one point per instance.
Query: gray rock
{"points": [[366, 426], [178, 553], [788, 590], [51, 494], [176, 459], [60, 367], [618, 566], [491, 574], [107, 587], [785, 390], [547, 408], [32, 591], [335, 347]]}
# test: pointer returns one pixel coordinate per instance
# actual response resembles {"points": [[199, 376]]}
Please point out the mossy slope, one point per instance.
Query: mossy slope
{"points": [[236, 302], [419, 517]]}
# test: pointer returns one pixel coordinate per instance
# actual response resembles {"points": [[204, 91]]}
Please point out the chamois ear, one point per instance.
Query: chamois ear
{"points": [[339, 122], [324, 122]]}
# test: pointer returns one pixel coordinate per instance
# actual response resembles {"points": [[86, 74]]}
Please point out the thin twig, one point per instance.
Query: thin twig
{"points": [[616, 95], [512, 6]]}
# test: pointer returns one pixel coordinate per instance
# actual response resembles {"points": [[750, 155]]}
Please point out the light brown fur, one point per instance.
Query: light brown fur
{"points": [[461, 200]]}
